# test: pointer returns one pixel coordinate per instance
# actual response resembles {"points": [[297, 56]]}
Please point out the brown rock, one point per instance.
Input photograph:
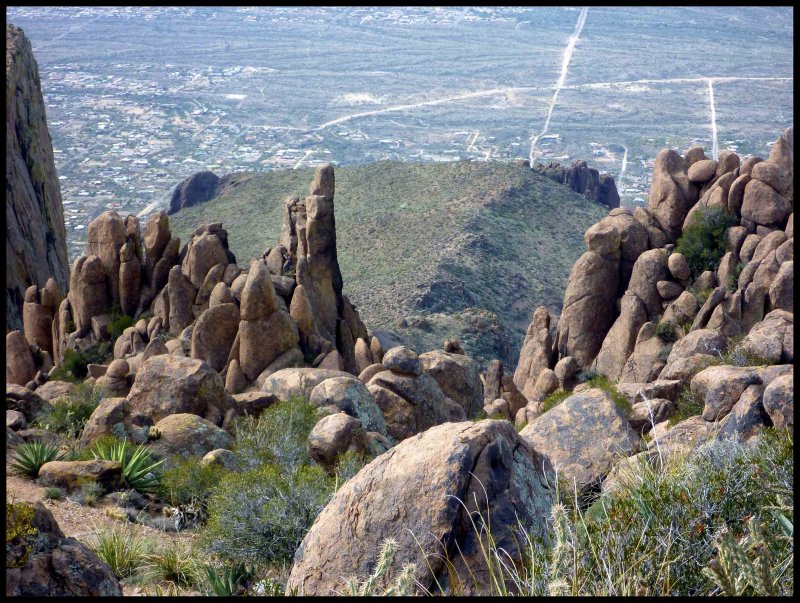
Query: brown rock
{"points": [[106, 235], [781, 291], [167, 385], [702, 341], [671, 193], [334, 435], [402, 360], [719, 387], [363, 355], [350, 396], [258, 295], [621, 338], [644, 415], [702, 171], [565, 371], [678, 267], [778, 401], [290, 359], [205, 250], [774, 175], [639, 392], [536, 353], [645, 361], [25, 401], [213, 334], [377, 350], [430, 473], [583, 436], [747, 417], [20, 368], [458, 377], [681, 438], [73, 474], [187, 434], [181, 296], [771, 339], [53, 391], [114, 417], [297, 382], [88, 293], [763, 205], [262, 341], [15, 420], [235, 381], [369, 372]]}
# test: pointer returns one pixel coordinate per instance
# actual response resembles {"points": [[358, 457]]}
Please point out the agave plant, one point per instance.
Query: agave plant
{"points": [[230, 581], [139, 467], [30, 456]]}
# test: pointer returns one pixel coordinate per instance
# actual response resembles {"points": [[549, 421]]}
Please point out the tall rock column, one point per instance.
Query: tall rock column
{"points": [[36, 238]]}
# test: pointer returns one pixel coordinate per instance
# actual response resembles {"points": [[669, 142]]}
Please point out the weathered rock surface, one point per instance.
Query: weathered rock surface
{"points": [[194, 190], [20, 367], [334, 435], [352, 397], [167, 385], [213, 335], [458, 377], [36, 238], [187, 434], [297, 382], [72, 474], [772, 339], [536, 353], [719, 387], [414, 491], [779, 401], [583, 437], [60, 566]]}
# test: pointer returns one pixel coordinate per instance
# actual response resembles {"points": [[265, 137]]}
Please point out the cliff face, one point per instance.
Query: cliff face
{"points": [[36, 239]]}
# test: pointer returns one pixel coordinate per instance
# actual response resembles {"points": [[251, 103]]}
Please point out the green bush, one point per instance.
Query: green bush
{"points": [[30, 456], [666, 331], [278, 437], [703, 241], [73, 367], [733, 278], [68, 416], [54, 493], [188, 480], [686, 405], [554, 400], [119, 322], [263, 514], [139, 466], [90, 493]]}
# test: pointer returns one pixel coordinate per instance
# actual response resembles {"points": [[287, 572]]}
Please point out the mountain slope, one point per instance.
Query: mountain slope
{"points": [[463, 249], [36, 238]]}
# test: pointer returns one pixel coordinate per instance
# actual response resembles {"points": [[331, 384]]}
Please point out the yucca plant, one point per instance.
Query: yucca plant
{"points": [[30, 456], [230, 581], [138, 466]]}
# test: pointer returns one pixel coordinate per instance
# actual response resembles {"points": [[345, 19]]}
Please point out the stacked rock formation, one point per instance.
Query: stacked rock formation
{"points": [[636, 315], [36, 238], [584, 180]]}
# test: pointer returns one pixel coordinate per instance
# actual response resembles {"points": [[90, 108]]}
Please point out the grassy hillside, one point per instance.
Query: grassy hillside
{"points": [[463, 249]]}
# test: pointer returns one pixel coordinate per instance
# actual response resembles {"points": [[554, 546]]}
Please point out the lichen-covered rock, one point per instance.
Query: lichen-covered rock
{"points": [[297, 382], [221, 457], [413, 494], [73, 474], [779, 401], [167, 385], [187, 434], [113, 417], [458, 377], [583, 437], [60, 566], [701, 341], [55, 390], [771, 339], [719, 387], [351, 396], [401, 359], [213, 334], [20, 367], [334, 435]]}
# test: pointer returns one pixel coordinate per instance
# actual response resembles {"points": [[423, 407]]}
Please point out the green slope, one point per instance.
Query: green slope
{"points": [[463, 249]]}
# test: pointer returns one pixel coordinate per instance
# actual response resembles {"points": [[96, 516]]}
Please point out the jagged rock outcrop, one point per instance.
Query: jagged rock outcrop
{"points": [[413, 493], [36, 238], [536, 354], [584, 180], [194, 190]]}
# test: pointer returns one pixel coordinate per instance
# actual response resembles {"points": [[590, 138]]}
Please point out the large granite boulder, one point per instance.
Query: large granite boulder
{"points": [[583, 437], [458, 377], [351, 396], [421, 493], [186, 434]]}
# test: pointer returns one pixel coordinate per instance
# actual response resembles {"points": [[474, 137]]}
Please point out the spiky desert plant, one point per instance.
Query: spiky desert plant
{"points": [[379, 583], [122, 550], [138, 466], [229, 581], [30, 456]]}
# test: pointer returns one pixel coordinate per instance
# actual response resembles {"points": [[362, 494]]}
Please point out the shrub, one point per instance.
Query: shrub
{"points": [[735, 355], [348, 464], [554, 400], [73, 367], [119, 322], [278, 437], [122, 550], [69, 415], [686, 405], [140, 468], [703, 240], [188, 480], [263, 514], [733, 278], [175, 563], [666, 331], [53, 493], [379, 584], [30, 456], [19, 529], [90, 493]]}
